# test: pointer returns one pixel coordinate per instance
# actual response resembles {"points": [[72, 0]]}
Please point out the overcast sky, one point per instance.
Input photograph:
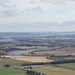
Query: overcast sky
{"points": [[37, 15]]}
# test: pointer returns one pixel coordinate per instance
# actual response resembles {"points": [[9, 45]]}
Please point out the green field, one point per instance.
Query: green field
{"points": [[11, 62], [5, 71], [23, 47], [68, 65], [33, 47], [62, 58], [50, 70]]}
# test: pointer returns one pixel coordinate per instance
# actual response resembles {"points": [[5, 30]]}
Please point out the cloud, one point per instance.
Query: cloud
{"points": [[68, 23], [61, 2], [0, 23], [46, 24], [14, 8], [35, 9], [69, 0], [33, 2], [58, 2], [39, 26], [9, 12], [6, 3], [7, 8], [18, 7]]}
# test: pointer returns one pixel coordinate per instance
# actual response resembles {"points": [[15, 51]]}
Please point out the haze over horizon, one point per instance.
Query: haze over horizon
{"points": [[37, 15]]}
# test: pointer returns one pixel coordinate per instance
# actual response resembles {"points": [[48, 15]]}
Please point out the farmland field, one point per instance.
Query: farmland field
{"points": [[68, 65], [52, 48], [4, 71], [61, 51], [62, 58], [30, 58], [33, 47], [11, 62], [50, 70]]}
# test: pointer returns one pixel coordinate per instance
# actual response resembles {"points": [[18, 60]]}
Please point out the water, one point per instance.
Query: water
{"points": [[19, 53], [7, 40]]}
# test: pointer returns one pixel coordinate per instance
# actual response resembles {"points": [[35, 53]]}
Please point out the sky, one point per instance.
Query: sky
{"points": [[37, 15]]}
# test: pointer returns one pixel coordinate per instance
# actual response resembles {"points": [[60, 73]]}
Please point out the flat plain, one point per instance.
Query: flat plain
{"points": [[68, 65], [62, 51], [11, 62], [5, 71], [29, 58], [49, 47], [50, 70]]}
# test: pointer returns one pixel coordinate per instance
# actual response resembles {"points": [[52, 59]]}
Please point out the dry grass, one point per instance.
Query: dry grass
{"points": [[29, 58], [62, 51]]}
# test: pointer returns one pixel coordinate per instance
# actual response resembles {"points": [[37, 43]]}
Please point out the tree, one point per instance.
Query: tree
{"points": [[7, 66]]}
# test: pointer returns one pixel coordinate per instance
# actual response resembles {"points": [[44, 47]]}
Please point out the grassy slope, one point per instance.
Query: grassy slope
{"points": [[4, 71], [68, 65], [49, 70], [10, 62]]}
